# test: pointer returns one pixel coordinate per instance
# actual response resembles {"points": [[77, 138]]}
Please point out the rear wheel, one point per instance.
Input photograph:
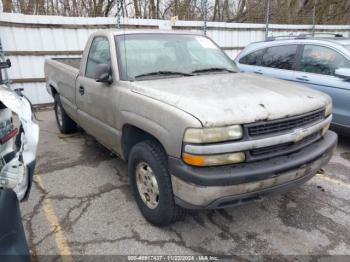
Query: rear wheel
{"points": [[65, 124], [151, 184]]}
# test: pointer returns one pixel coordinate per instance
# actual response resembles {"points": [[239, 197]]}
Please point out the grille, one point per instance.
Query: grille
{"points": [[284, 125], [282, 149]]}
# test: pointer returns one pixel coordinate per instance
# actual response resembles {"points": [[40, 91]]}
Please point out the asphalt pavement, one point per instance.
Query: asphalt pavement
{"points": [[81, 204]]}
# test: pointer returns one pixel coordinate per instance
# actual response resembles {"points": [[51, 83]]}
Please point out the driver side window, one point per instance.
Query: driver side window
{"points": [[98, 54], [322, 60]]}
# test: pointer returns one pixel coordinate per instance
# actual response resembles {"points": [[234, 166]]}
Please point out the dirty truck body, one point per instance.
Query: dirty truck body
{"points": [[195, 133]]}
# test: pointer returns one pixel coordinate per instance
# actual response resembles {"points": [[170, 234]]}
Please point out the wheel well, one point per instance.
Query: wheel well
{"points": [[53, 90], [133, 135]]}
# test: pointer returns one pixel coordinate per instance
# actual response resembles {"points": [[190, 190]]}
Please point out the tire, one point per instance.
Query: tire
{"points": [[66, 125], [166, 212]]}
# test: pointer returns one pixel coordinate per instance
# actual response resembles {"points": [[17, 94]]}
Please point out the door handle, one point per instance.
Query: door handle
{"points": [[81, 90], [258, 72], [303, 78]]}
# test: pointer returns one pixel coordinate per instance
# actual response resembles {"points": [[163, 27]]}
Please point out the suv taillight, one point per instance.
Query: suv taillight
{"points": [[7, 131]]}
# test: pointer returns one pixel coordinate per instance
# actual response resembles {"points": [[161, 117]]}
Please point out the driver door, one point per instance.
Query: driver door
{"points": [[96, 101]]}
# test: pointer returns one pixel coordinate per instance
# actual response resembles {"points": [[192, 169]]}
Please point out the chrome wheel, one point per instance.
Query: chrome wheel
{"points": [[59, 115], [147, 185]]}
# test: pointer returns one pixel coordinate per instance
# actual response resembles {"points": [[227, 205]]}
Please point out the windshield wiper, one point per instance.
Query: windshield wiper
{"points": [[157, 73], [213, 69]]}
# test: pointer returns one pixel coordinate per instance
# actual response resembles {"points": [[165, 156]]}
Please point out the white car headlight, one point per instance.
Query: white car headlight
{"points": [[213, 135]]}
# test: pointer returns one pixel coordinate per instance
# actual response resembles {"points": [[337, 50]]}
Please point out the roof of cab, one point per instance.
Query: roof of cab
{"points": [[113, 32]]}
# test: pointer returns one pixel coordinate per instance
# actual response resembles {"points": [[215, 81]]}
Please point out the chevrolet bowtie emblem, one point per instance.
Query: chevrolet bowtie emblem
{"points": [[299, 134]]}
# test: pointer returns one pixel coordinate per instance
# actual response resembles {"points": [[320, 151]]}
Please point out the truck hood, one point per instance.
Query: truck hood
{"points": [[225, 99]]}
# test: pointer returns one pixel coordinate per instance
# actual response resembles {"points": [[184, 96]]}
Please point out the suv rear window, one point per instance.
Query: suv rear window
{"points": [[252, 58], [281, 57]]}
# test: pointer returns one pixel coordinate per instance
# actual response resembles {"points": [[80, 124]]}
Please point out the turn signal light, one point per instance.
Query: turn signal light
{"points": [[213, 160]]}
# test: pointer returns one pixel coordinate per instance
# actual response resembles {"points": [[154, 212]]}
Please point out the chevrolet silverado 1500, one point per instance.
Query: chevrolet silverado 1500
{"points": [[195, 132]]}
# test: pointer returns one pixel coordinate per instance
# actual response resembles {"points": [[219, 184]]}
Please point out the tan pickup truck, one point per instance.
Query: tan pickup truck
{"points": [[195, 132]]}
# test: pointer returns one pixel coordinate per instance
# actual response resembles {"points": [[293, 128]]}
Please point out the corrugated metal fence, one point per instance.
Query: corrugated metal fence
{"points": [[28, 40]]}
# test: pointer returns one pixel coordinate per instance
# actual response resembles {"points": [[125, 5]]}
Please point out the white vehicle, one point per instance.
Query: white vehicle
{"points": [[19, 137]]}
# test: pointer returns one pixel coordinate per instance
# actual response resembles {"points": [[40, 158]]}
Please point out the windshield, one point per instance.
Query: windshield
{"points": [[146, 56]]}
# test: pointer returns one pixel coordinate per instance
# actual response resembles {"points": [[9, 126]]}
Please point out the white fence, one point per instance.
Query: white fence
{"points": [[29, 40]]}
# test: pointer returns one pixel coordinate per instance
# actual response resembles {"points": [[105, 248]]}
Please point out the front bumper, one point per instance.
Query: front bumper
{"points": [[219, 187]]}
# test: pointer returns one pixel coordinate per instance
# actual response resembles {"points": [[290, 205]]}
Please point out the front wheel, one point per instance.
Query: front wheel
{"points": [[65, 124], [151, 184]]}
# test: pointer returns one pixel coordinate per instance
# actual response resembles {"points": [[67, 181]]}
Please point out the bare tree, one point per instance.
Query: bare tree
{"points": [[137, 8], [281, 11], [7, 5]]}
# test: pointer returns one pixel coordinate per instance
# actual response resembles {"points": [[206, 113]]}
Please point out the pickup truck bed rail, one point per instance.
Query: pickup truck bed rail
{"points": [[71, 61]]}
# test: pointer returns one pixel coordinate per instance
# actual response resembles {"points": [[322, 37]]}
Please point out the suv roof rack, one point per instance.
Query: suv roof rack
{"points": [[301, 36]]}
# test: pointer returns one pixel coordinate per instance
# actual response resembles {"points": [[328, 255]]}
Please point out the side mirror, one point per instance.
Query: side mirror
{"points": [[343, 73], [103, 74]]}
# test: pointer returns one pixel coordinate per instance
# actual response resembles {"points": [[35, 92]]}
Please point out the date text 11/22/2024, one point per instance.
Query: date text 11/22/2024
{"points": [[173, 258]]}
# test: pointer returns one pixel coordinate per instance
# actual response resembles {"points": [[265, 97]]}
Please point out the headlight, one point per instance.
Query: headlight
{"points": [[213, 135], [329, 109], [213, 160]]}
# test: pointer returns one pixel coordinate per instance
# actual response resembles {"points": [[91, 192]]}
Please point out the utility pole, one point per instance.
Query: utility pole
{"points": [[267, 19], [119, 8], [205, 16], [314, 19]]}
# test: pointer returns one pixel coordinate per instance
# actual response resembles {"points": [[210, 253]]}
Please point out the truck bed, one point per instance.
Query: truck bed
{"points": [[61, 75], [74, 62]]}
